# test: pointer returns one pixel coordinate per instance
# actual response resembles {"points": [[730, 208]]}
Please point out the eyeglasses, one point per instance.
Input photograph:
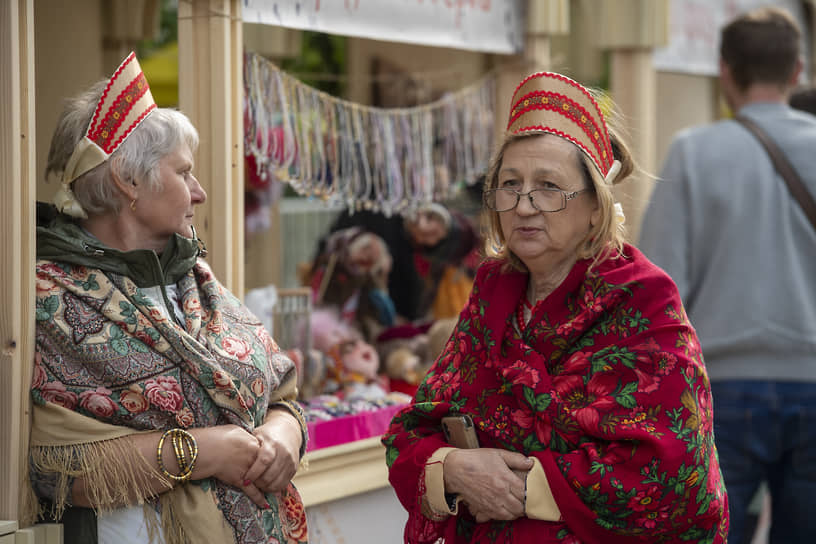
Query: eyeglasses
{"points": [[544, 200]]}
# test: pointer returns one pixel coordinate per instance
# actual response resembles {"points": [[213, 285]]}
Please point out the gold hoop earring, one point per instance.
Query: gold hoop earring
{"points": [[133, 204]]}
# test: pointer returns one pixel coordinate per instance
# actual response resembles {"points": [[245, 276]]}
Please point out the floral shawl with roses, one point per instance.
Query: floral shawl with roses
{"points": [[109, 363], [605, 385]]}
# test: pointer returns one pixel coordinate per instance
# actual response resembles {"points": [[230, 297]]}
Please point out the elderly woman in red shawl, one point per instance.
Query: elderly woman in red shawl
{"points": [[163, 411], [573, 358]]}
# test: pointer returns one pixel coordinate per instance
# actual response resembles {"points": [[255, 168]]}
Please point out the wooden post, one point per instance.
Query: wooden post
{"points": [[211, 94], [17, 197], [634, 89], [631, 29], [544, 19]]}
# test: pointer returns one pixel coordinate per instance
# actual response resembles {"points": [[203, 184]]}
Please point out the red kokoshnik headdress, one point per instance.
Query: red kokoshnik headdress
{"points": [[125, 102], [553, 103]]}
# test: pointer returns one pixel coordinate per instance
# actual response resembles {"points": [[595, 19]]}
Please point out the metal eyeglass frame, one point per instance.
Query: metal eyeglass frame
{"points": [[565, 196]]}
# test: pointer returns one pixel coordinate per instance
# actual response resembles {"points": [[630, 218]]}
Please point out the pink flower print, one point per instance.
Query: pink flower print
{"points": [[713, 477], [665, 363], [691, 371], [651, 519], [156, 315], [522, 418], [222, 380], [45, 285], [38, 375], [98, 402], [543, 428], [133, 401], [258, 387], [449, 379], [456, 360], [164, 392], [461, 344], [204, 274], [51, 269], [573, 324], [647, 382], [587, 403], [690, 341], [192, 305], [56, 393], [520, 373], [185, 417], [611, 453], [237, 347], [144, 337], [648, 346], [592, 303], [447, 384], [268, 343], [577, 363], [215, 323], [644, 499], [704, 413], [500, 422]]}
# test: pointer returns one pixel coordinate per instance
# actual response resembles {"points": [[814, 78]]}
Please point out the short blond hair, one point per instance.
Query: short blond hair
{"points": [[603, 238]]}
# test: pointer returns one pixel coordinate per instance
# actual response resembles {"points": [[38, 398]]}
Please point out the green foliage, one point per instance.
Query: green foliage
{"points": [[168, 30], [322, 62], [47, 308]]}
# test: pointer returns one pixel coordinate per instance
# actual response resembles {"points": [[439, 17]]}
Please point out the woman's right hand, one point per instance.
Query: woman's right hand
{"points": [[486, 481], [226, 452]]}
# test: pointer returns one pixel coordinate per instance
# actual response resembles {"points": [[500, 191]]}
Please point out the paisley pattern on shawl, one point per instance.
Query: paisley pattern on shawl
{"points": [[605, 386], [108, 352]]}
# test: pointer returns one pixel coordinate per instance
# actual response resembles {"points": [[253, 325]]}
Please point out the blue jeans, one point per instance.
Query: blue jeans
{"points": [[767, 431]]}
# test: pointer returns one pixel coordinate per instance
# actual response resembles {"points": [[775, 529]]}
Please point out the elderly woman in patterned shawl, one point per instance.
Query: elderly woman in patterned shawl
{"points": [[163, 411], [573, 358]]}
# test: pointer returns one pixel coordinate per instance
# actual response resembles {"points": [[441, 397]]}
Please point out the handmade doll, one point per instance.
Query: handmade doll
{"points": [[350, 274], [354, 363]]}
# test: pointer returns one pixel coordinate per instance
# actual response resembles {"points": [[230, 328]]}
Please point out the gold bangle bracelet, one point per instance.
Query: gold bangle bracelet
{"points": [[179, 438]]}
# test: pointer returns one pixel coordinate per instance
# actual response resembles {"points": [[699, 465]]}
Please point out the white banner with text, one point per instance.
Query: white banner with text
{"points": [[493, 26]]}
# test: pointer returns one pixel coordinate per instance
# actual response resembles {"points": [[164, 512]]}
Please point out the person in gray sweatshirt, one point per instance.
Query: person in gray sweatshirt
{"points": [[723, 224]]}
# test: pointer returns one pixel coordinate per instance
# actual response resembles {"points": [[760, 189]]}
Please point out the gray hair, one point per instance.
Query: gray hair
{"points": [[162, 132]]}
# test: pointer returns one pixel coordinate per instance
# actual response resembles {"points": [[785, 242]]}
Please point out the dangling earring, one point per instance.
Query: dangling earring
{"points": [[133, 204]]}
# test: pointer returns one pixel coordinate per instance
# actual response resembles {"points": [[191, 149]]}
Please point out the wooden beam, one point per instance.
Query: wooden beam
{"points": [[633, 87], [210, 93], [631, 23], [548, 17], [237, 145], [17, 196]]}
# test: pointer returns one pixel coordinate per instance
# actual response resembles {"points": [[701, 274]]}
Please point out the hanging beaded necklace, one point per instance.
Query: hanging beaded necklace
{"points": [[524, 311], [386, 159]]}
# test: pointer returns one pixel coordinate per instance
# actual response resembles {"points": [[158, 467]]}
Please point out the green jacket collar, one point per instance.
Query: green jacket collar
{"points": [[59, 239]]}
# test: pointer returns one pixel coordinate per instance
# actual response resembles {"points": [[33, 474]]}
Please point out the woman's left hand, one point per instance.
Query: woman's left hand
{"points": [[278, 458]]}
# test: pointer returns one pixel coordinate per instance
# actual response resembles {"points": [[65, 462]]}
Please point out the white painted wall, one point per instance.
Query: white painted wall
{"points": [[376, 517]]}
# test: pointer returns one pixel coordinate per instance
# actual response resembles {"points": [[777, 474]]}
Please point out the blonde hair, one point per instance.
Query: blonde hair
{"points": [[604, 238]]}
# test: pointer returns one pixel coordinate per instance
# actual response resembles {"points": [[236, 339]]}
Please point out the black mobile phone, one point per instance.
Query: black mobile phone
{"points": [[460, 431]]}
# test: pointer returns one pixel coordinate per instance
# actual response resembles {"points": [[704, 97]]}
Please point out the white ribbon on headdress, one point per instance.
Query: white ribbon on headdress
{"points": [[90, 152], [620, 218], [613, 172], [85, 157], [66, 202]]}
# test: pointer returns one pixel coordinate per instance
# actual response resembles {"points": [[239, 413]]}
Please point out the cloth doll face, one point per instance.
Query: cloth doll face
{"points": [[368, 255], [427, 229], [360, 357]]}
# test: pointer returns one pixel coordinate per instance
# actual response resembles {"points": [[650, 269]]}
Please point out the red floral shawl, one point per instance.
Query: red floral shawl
{"points": [[108, 352], [606, 387]]}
